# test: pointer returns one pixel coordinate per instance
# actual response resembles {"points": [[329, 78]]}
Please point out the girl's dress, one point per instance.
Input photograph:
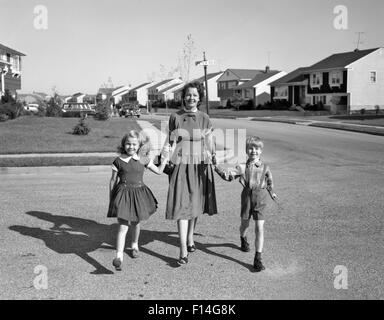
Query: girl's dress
{"points": [[131, 199], [191, 189]]}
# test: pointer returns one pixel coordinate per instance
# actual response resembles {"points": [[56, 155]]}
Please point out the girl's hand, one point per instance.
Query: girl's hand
{"points": [[165, 151]]}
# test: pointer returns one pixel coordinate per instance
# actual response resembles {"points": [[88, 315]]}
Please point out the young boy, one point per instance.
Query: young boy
{"points": [[256, 179]]}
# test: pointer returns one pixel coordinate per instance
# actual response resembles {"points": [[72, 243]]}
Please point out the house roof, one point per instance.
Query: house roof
{"points": [[245, 73], [209, 76], [159, 84], [170, 87], [340, 60], [257, 79], [9, 50], [142, 85], [294, 76]]}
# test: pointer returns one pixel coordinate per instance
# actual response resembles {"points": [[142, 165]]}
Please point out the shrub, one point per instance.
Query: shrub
{"points": [[3, 117], [377, 109], [81, 128], [362, 111], [103, 111], [11, 109], [54, 107]]}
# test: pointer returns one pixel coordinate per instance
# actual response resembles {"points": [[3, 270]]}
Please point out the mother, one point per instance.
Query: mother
{"points": [[191, 189]]}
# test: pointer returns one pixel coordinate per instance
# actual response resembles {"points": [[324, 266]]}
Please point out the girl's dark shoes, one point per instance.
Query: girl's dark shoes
{"points": [[258, 265], [244, 244], [117, 264], [191, 248]]}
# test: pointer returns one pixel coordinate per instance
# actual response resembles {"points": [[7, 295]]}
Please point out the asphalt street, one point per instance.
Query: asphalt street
{"points": [[330, 187]]}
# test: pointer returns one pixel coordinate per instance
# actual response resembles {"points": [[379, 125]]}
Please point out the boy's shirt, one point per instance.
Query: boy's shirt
{"points": [[249, 175]]}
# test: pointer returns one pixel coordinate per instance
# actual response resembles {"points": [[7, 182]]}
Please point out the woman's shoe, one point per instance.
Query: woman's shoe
{"points": [[117, 264], [182, 261], [191, 248]]}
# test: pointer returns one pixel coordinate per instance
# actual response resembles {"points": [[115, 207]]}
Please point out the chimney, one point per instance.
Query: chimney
{"points": [[266, 69]]}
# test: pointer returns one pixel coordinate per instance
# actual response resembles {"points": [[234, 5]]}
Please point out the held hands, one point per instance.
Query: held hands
{"points": [[165, 152]]}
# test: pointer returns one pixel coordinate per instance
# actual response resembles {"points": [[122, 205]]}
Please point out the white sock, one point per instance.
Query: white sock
{"points": [[119, 255], [135, 245]]}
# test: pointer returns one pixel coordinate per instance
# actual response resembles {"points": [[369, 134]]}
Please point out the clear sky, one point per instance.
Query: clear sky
{"points": [[88, 41]]}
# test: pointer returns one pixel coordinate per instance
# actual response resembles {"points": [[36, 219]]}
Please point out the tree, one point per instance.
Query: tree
{"points": [[186, 57]]}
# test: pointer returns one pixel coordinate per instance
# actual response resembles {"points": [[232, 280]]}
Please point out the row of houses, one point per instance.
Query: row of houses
{"points": [[348, 81]]}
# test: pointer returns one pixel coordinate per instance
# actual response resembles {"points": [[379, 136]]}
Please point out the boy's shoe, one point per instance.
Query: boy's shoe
{"points": [[117, 264], [244, 244], [258, 265], [135, 253]]}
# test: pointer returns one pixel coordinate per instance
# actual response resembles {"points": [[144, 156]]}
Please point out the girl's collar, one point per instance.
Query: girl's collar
{"points": [[256, 163], [134, 157]]}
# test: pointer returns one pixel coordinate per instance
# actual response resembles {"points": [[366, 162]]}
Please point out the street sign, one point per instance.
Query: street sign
{"points": [[205, 63]]}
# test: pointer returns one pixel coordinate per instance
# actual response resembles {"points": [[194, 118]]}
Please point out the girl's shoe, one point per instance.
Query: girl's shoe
{"points": [[244, 244], [182, 261], [117, 264], [191, 248]]}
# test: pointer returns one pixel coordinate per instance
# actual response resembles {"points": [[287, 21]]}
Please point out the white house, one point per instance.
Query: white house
{"points": [[118, 93], [168, 93], [258, 89], [155, 89]]}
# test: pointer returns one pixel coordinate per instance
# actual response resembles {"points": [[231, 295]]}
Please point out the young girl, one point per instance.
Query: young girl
{"points": [[256, 178], [131, 201]]}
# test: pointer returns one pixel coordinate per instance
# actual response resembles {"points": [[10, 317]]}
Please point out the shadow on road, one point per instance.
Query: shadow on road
{"points": [[73, 235]]}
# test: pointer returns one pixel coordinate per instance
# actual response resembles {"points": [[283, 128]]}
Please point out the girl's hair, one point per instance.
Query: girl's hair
{"points": [[144, 143], [253, 141], [194, 84]]}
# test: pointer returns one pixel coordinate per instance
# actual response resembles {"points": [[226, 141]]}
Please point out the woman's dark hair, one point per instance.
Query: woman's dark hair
{"points": [[200, 89]]}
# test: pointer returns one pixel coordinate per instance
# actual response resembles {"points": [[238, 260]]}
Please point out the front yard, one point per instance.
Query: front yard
{"points": [[32, 134]]}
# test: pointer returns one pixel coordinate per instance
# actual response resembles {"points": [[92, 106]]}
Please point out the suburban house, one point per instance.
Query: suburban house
{"points": [[348, 81], [153, 91], [138, 94], [291, 88], [212, 86], [77, 97], [168, 93], [232, 78], [10, 71], [118, 93], [258, 89]]}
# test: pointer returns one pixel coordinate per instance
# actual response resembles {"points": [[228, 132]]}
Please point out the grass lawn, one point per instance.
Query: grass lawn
{"points": [[32, 134]]}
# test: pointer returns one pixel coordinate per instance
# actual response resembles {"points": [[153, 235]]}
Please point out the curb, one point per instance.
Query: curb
{"points": [[53, 169]]}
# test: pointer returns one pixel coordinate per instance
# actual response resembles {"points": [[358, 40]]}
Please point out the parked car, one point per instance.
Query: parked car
{"points": [[130, 110], [76, 109], [32, 107]]}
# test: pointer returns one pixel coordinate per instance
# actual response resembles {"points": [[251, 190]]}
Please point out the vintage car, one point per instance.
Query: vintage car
{"points": [[130, 110], [76, 109]]}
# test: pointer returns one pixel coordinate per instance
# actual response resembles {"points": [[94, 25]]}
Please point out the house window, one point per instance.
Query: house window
{"points": [[222, 85], [336, 77], [373, 76], [316, 79], [232, 84]]}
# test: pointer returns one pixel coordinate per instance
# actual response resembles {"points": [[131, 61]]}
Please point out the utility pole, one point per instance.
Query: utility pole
{"points": [[358, 39], [205, 63]]}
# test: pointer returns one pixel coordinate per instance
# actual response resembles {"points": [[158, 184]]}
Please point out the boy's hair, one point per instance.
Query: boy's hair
{"points": [[253, 141], [144, 142]]}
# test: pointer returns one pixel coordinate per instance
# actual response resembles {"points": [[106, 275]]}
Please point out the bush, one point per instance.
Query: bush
{"points": [[377, 109], [11, 109], [81, 128], [3, 117], [103, 111], [54, 107], [362, 111]]}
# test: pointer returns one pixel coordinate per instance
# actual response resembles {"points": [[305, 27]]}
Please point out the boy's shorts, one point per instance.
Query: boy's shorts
{"points": [[254, 203]]}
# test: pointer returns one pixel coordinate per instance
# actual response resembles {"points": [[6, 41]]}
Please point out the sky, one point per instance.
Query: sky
{"points": [[86, 42]]}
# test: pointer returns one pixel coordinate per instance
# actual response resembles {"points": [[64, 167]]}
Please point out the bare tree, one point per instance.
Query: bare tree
{"points": [[186, 58]]}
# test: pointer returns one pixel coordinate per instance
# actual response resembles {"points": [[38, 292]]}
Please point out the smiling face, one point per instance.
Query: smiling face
{"points": [[254, 152], [131, 146], [191, 99]]}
